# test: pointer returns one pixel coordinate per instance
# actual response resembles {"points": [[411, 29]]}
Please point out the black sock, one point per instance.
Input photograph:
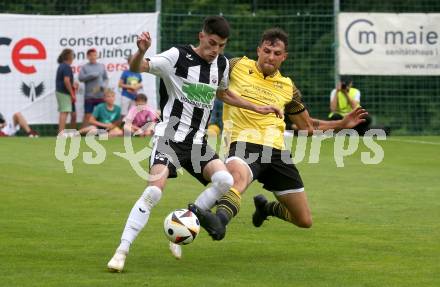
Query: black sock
{"points": [[276, 209], [228, 206]]}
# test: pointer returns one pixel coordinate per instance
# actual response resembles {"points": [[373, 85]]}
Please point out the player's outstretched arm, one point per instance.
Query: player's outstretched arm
{"points": [[354, 118], [138, 64], [231, 99], [303, 121]]}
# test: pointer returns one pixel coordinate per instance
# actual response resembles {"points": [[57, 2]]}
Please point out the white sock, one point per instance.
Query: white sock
{"points": [[124, 247], [138, 217], [206, 200], [222, 181]]}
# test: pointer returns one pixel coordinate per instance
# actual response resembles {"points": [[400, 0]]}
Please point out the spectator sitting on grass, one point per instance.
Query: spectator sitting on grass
{"points": [[106, 117], [12, 126], [141, 118]]}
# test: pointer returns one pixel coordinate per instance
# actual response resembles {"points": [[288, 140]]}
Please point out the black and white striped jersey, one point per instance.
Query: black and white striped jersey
{"points": [[191, 84]]}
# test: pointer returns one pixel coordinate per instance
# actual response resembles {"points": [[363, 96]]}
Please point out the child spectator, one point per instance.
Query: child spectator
{"points": [[106, 116], [131, 83], [141, 118], [65, 90]]}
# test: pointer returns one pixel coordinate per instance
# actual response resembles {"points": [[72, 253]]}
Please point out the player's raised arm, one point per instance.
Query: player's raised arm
{"points": [[138, 64], [230, 98], [303, 121]]}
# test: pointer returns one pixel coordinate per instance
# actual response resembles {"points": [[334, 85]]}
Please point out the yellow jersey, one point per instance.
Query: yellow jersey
{"points": [[248, 82]]}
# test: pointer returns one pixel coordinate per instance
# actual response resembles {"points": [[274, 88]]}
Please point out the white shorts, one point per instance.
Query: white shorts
{"points": [[126, 104], [10, 129]]}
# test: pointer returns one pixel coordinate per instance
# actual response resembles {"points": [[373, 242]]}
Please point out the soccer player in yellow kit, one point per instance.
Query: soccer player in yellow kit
{"points": [[256, 150]]}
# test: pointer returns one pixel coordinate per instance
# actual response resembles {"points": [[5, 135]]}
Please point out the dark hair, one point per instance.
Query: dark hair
{"points": [[345, 81], [64, 56], [216, 25], [274, 34], [141, 97]]}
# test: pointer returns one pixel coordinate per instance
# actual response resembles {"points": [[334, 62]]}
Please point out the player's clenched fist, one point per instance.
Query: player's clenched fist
{"points": [[144, 41]]}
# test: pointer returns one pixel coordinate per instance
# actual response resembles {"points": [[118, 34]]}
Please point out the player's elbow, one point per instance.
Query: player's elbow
{"points": [[304, 126], [222, 95]]}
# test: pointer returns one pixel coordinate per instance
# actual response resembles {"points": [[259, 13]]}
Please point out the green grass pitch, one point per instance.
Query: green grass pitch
{"points": [[374, 225]]}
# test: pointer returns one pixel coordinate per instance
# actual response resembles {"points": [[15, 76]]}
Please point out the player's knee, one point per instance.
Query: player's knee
{"points": [[239, 173], [237, 176], [305, 222], [152, 195], [223, 180]]}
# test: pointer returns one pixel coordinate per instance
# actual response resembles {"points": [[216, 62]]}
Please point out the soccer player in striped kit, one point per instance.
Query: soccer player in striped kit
{"points": [[193, 77]]}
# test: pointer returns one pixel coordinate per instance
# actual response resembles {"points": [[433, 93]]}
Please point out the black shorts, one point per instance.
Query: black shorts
{"points": [[272, 167], [192, 157]]}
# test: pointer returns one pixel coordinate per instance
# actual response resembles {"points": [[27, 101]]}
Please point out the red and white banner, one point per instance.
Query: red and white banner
{"points": [[30, 45]]}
